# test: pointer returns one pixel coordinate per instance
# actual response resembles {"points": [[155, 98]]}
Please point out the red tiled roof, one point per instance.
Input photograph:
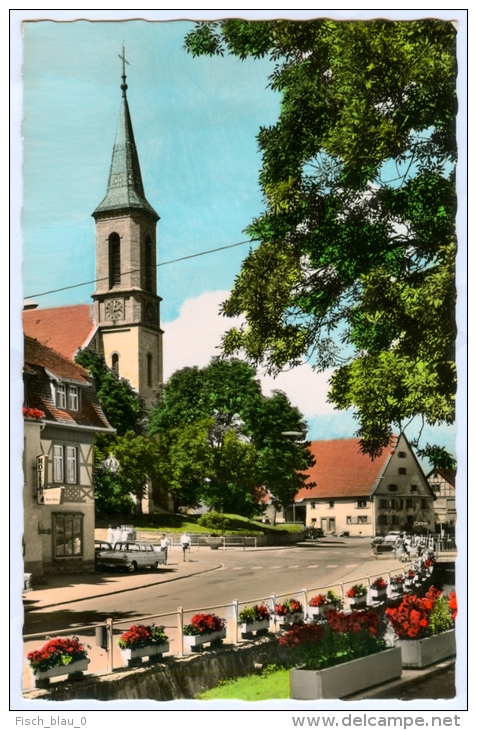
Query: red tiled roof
{"points": [[64, 329], [341, 470], [41, 360]]}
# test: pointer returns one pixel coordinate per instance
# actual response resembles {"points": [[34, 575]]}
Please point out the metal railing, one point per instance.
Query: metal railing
{"points": [[105, 660]]}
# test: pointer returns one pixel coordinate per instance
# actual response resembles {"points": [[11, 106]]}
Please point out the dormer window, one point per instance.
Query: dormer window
{"points": [[67, 397], [73, 398], [61, 396]]}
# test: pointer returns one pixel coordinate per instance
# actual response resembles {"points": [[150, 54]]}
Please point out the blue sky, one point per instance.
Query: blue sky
{"points": [[195, 123]]}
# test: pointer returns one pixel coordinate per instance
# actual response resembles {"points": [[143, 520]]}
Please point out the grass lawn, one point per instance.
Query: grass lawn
{"points": [[268, 686], [187, 523]]}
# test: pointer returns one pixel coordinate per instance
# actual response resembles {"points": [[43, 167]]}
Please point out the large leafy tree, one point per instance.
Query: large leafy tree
{"points": [[355, 264], [222, 441], [136, 453]]}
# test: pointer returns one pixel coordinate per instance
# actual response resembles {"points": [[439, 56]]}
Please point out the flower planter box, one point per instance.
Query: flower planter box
{"points": [[357, 602], [345, 679], [321, 610], [378, 594], [290, 618], [214, 542], [77, 668], [397, 588], [192, 642], [247, 629], [422, 652], [134, 656]]}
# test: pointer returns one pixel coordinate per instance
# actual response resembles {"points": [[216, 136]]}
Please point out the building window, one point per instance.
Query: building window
{"points": [[73, 399], [409, 503], [401, 504], [392, 488], [349, 520], [148, 264], [115, 362], [382, 520], [383, 504], [60, 395], [410, 520], [65, 455], [362, 519], [149, 369], [394, 519], [114, 260], [402, 470], [393, 503], [423, 503], [436, 487], [401, 454], [68, 535], [413, 487], [313, 505], [331, 503], [362, 504], [58, 464]]}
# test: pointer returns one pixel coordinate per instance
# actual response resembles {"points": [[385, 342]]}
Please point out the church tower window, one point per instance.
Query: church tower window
{"points": [[114, 260], [149, 369], [148, 260], [115, 362]]}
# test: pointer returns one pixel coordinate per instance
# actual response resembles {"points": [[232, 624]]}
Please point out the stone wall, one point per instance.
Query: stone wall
{"points": [[172, 679]]}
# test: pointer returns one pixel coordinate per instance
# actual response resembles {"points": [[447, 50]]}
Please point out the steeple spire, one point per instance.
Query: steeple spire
{"points": [[125, 189]]}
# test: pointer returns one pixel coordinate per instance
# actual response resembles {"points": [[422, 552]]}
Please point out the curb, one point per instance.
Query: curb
{"points": [[123, 590]]}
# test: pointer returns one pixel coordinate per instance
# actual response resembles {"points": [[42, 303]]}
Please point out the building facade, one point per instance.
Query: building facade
{"points": [[61, 417], [357, 496], [442, 483]]}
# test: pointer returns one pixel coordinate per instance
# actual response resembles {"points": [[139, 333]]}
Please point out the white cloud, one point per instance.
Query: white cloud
{"points": [[194, 338]]}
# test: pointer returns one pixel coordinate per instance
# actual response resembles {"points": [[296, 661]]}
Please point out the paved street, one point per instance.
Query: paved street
{"points": [[209, 579]]}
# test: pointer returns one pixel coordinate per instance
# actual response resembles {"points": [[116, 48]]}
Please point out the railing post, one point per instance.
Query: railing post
{"points": [[305, 601], [273, 599], [109, 629], [236, 613], [180, 626]]}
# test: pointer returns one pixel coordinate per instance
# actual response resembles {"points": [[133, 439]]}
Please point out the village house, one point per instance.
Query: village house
{"points": [[61, 417], [442, 483], [359, 497]]}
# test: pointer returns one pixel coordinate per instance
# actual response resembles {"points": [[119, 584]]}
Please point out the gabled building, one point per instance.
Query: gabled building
{"points": [[357, 496], [61, 417], [442, 483]]}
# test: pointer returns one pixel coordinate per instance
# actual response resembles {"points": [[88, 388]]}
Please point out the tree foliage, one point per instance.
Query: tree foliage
{"points": [[136, 453], [222, 440], [355, 265]]}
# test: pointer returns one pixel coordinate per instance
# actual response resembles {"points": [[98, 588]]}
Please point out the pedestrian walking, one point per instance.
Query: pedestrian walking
{"points": [[165, 543], [185, 543]]}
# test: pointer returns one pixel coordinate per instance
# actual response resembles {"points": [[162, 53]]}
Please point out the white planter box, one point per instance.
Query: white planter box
{"points": [[252, 626], [345, 679], [397, 588], [321, 610], [129, 655], [378, 594], [193, 641], [357, 602], [290, 618], [73, 668], [422, 652]]}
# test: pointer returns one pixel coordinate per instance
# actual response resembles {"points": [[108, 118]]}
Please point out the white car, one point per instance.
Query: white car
{"points": [[131, 556]]}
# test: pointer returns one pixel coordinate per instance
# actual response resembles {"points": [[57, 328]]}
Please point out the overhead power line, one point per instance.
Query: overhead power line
{"points": [[132, 271]]}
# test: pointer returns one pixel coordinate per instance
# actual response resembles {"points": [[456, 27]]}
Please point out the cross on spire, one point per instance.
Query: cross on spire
{"points": [[124, 85]]}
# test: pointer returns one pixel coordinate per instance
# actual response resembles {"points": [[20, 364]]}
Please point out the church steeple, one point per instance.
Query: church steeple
{"points": [[126, 304], [125, 188]]}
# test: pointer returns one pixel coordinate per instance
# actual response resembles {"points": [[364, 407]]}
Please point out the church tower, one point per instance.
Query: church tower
{"points": [[126, 305]]}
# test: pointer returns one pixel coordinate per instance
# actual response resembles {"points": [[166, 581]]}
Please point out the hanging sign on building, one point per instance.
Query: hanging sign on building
{"points": [[40, 477], [53, 496]]}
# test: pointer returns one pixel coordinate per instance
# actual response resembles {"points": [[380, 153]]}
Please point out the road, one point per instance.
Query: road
{"points": [[246, 576]]}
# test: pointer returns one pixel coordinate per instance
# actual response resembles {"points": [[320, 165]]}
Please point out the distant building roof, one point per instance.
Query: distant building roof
{"points": [[44, 367], [64, 329], [342, 470], [447, 474]]}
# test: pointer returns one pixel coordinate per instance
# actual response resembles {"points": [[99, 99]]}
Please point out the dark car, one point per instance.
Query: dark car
{"points": [[131, 556]]}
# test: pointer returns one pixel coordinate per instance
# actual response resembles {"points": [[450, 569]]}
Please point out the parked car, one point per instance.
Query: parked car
{"points": [[130, 556], [100, 545]]}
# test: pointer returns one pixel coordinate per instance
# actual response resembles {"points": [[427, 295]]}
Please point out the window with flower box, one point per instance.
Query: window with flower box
{"points": [[67, 535]]}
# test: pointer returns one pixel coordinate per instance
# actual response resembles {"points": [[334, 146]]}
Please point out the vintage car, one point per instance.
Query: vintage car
{"points": [[130, 556]]}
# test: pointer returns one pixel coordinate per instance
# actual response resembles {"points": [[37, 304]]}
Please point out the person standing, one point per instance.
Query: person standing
{"points": [[185, 543], [165, 543]]}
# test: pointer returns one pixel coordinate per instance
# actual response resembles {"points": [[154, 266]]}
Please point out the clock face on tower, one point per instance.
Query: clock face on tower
{"points": [[114, 309]]}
